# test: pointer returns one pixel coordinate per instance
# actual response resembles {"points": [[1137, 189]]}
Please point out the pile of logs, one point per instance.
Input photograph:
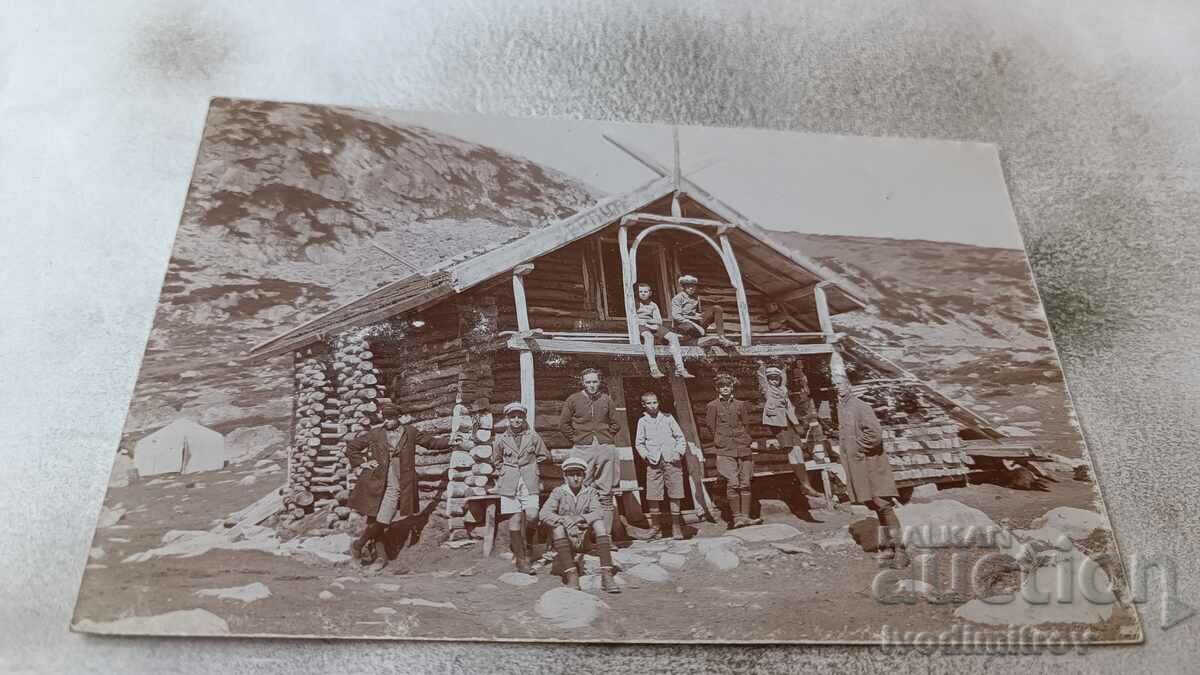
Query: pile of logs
{"points": [[317, 468], [471, 474], [920, 437], [359, 392]]}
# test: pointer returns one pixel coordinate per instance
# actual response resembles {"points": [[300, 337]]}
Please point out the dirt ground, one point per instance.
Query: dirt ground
{"points": [[821, 593]]}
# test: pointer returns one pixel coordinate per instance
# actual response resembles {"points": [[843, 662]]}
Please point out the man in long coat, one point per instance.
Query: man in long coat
{"points": [[387, 484], [869, 478]]}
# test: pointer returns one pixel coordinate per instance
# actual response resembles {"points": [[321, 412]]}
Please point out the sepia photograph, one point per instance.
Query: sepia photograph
{"points": [[461, 377]]}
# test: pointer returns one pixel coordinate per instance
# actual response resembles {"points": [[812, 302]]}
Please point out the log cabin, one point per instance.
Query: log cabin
{"points": [[519, 320]]}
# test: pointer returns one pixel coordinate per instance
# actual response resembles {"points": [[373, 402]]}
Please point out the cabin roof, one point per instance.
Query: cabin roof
{"points": [[765, 263]]}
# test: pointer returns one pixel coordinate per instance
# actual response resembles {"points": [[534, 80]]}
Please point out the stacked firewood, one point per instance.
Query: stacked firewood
{"points": [[471, 474], [919, 436], [310, 462]]}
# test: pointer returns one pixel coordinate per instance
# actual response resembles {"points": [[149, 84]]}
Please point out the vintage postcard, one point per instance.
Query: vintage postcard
{"points": [[426, 376]]}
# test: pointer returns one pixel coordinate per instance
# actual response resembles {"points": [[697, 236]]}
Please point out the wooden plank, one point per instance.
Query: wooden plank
{"points": [[823, 309], [489, 527], [518, 283], [672, 220], [735, 275], [628, 279], [581, 347], [695, 467], [557, 235], [526, 358]]}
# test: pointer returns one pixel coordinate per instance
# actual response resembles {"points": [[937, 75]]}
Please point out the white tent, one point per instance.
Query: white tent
{"points": [[183, 446]]}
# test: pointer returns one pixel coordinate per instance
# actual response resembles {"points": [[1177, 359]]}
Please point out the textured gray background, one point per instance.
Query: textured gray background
{"points": [[1095, 105]]}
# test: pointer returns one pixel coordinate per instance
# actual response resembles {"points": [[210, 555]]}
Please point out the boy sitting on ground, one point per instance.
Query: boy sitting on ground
{"points": [[571, 511]]}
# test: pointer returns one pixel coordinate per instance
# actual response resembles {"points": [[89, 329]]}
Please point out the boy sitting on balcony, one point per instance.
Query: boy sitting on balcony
{"points": [[691, 321], [650, 325]]}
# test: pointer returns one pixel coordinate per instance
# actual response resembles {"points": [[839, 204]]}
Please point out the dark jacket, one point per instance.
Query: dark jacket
{"points": [[368, 491], [518, 459], [868, 472], [585, 419], [730, 427]]}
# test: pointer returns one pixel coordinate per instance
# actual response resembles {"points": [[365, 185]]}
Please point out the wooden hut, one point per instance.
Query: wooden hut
{"points": [[520, 320]]}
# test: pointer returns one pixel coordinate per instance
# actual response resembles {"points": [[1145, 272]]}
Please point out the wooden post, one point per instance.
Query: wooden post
{"points": [[526, 358], [628, 279], [735, 276], [823, 310], [489, 526]]}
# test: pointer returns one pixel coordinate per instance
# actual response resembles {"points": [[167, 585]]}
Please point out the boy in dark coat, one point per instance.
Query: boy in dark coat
{"points": [[869, 478], [729, 422], [386, 489]]}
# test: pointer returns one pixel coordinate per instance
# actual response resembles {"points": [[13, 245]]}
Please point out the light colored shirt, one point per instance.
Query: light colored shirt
{"points": [[660, 438], [648, 315]]}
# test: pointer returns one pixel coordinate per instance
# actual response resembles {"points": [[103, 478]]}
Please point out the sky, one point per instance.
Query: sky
{"points": [[848, 185]]}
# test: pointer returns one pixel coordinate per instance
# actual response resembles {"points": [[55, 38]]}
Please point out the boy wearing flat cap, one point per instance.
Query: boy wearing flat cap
{"points": [[571, 511], [729, 421], [517, 453], [386, 489], [690, 320]]}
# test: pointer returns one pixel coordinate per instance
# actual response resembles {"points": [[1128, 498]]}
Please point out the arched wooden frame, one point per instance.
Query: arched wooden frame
{"points": [[724, 251]]}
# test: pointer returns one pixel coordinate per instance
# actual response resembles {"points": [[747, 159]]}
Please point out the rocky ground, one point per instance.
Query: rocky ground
{"points": [[161, 562]]}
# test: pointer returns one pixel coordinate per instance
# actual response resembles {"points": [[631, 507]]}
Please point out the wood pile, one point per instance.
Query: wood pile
{"points": [[316, 469], [470, 473], [920, 437], [360, 391]]}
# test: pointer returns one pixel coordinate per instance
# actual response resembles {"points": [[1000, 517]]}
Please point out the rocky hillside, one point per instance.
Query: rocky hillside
{"points": [[962, 317], [284, 204]]}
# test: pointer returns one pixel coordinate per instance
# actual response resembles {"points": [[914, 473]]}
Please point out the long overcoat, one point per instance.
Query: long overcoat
{"points": [[868, 473], [368, 491]]}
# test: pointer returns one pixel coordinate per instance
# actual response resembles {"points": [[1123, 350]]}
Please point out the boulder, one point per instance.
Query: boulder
{"points": [[122, 473], [943, 522], [649, 571], [109, 517], [567, 608], [591, 582], [626, 558], [925, 491], [1075, 523], [518, 579], [779, 506], [672, 561], [865, 533], [383, 611], [790, 549], [325, 595], [707, 544], [722, 558], [247, 593], [249, 442], [765, 533], [1019, 611], [759, 554], [181, 622], [248, 480]]}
